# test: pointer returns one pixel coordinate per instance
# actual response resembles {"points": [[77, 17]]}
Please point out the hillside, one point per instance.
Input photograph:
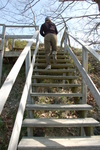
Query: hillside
{"points": [[9, 113]]}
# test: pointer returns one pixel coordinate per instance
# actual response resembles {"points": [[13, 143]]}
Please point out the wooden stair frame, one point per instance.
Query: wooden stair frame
{"points": [[86, 127]]}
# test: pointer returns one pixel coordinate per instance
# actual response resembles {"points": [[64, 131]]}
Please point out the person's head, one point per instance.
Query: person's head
{"points": [[47, 19]]}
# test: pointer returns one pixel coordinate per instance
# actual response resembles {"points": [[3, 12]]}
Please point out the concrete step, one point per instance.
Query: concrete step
{"points": [[71, 143], [57, 94], [44, 122], [54, 85], [54, 77], [58, 107]]}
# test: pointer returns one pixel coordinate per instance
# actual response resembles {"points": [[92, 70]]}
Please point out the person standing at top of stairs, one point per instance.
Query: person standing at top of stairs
{"points": [[49, 31]]}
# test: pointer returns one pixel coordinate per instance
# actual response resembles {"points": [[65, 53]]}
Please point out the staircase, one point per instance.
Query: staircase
{"points": [[56, 93], [54, 100]]}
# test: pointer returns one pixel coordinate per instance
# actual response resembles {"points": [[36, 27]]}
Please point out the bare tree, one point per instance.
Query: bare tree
{"points": [[77, 18], [98, 2], [24, 12], [18, 12]]}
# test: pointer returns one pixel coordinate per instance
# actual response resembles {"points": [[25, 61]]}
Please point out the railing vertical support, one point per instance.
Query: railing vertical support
{"points": [[66, 40], [65, 47], [85, 65], [27, 66], [37, 39], [35, 80], [6, 43], [84, 86], [13, 42], [29, 101], [27, 62], [2, 52]]}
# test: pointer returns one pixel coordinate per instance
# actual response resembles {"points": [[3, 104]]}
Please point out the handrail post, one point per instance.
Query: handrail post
{"points": [[65, 47], [27, 67], [35, 80], [13, 41], [37, 28], [6, 44], [65, 40], [2, 52], [31, 100], [62, 40], [84, 86], [27, 62], [85, 65]]}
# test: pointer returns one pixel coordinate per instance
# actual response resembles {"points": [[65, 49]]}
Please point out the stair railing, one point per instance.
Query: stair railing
{"points": [[83, 68], [10, 80], [4, 40], [18, 122], [2, 36]]}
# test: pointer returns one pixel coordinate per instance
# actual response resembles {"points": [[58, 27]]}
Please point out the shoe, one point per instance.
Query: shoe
{"points": [[48, 67], [54, 57]]}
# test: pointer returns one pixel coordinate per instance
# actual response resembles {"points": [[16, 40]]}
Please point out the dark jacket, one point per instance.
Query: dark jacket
{"points": [[48, 27]]}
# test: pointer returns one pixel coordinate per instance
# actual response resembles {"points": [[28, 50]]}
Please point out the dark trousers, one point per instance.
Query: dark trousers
{"points": [[50, 40]]}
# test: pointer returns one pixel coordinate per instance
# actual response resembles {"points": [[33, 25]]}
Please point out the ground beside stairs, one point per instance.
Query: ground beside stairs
{"points": [[7, 118]]}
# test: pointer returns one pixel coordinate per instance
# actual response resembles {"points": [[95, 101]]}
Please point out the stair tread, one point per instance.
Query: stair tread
{"points": [[52, 59], [58, 52], [58, 56], [57, 94], [54, 77], [58, 60], [65, 143], [56, 85], [45, 122], [55, 65], [58, 106], [54, 70]]}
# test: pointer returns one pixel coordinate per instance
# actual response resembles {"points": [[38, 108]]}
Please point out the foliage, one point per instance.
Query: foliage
{"points": [[20, 44], [10, 43], [17, 43]]}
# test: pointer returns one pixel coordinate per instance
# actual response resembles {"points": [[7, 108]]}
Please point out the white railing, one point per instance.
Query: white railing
{"points": [[4, 37], [10, 80], [89, 49], [83, 68], [18, 122]]}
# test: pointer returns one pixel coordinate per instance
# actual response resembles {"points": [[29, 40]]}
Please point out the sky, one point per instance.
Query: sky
{"points": [[75, 26]]}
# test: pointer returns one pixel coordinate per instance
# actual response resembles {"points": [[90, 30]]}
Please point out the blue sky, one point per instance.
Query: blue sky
{"points": [[75, 26]]}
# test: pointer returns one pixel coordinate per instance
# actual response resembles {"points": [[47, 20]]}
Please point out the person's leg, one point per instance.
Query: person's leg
{"points": [[47, 50], [54, 47]]}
